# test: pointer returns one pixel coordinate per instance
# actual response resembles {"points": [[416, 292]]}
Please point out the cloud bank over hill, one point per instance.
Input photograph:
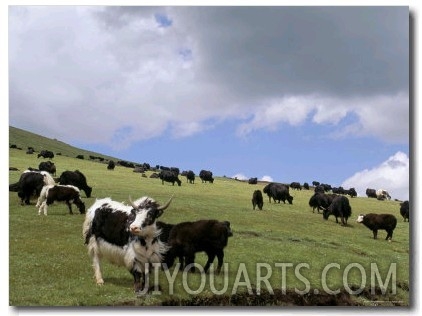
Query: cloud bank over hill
{"points": [[391, 175]]}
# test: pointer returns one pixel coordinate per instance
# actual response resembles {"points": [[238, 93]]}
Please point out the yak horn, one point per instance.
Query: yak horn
{"points": [[131, 203], [163, 207]]}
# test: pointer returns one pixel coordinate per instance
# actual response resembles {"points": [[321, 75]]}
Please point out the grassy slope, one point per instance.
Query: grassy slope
{"points": [[25, 139], [49, 265]]}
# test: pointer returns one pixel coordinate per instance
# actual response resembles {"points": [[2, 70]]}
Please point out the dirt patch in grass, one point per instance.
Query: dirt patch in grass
{"points": [[248, 233], [289, 298]]}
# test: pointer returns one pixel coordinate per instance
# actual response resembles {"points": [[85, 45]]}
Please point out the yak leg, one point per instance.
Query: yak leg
{"points": [[182, 261], [69, 205], [93, 252], [211, 257], [97, 270], [375, 231], [389, 235], [189, 260], [137, 285], [43, 208], [40, 208], [141, 287], [220, 257], [38, 202]]}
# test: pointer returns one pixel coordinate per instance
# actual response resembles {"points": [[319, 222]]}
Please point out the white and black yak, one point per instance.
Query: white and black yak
{"points": [[30, 184], [125, 235], [61, 193]]}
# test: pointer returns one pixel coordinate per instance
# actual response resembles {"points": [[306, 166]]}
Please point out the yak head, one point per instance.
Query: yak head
{"points": [[360, 218], [326, 213], [143, 215]]}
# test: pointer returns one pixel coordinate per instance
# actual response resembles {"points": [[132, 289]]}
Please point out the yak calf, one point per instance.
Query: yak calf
{"points": [[67, 193], [257, 199], [187, 238]]}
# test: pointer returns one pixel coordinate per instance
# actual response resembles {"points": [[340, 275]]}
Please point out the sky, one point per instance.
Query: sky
{"points": [[279, 93]]}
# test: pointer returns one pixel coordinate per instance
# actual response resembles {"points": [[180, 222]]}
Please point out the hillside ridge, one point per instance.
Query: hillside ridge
{"points": [[23, 139]]}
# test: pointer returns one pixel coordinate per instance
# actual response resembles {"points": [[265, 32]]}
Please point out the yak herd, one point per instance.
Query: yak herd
{"points": [[336, 204], [131, 236]]}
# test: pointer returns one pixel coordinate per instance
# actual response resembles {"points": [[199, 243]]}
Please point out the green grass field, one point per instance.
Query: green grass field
{"points": [[283, 247]]}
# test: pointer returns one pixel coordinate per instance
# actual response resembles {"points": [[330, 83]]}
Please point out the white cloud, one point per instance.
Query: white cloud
{"points": [[391, 175], [267, 178], [382, 116], [240, 176], [385, 117], [292, 110]]}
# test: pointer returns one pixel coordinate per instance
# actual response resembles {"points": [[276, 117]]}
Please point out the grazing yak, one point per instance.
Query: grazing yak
{"points": [[319, 189], [323, 187], [295, 186], [47, 166], [111, 165], [206, 176], [257, 199], [339, 207], [371, 193], [340, 190], [61, 193], [187, 238], [77, 179], [169, 176], [321, 201], [278, 192], [125, 235], [375, 222], [31, 183], [382, 195], [404, 210], [46, 154], [190, 176], [253, 180], [352, 192]]}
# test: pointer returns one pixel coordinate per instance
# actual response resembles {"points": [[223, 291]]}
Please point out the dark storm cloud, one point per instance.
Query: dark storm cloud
{"points": [[273, 51]]}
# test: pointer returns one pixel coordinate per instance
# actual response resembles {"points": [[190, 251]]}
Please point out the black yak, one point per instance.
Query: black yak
{"points": [[339, 207], [257, 199], [379, 221]]}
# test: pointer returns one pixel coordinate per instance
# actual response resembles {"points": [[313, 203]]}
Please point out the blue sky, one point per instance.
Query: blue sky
{"points": [[285, 93]]}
